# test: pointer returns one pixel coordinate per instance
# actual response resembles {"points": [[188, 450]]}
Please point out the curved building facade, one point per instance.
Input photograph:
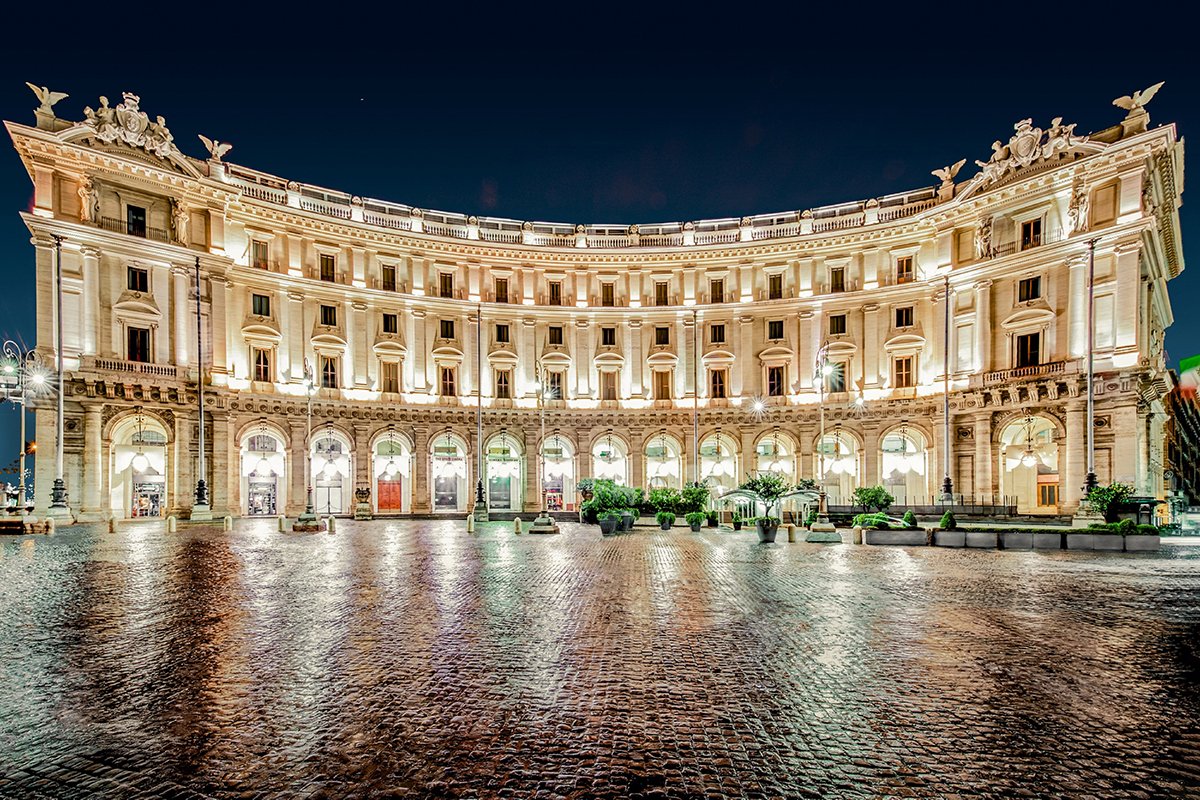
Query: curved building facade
{"points": [[652, 354]]}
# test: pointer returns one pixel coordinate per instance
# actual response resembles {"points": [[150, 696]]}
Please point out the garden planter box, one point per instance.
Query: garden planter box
{"points": [[894, 537], [1095, 541], [1142, 544], [983, 539], [950, 538], [1016, 540], [1048, 541]]}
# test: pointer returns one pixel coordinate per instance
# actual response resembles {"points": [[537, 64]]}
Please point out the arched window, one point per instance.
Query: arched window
{"points": [[664, 462], [718, 463], [610, 459]]}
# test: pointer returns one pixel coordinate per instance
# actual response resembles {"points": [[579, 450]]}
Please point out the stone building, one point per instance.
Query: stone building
{"points": [[1183, 445], [661, 351]]}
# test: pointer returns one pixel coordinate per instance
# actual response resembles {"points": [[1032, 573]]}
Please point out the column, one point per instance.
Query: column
{"points": [[297, 460], [362, 457], [745, 383], [686, 379], [871, 349], [91, 301], [1075, 452], [983, 326], [583, 359], [807, 350], [985, 466], [636, 360], [218, 300], [1128, 300], [360, 345], [93, 464], [533, 487], [297, 337], [47, 317], [226, 484], [183, 486], [871, 465], [179, 308], [421, 502]]}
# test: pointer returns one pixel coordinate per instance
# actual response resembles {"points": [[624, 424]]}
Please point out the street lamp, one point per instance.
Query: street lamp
{"points": [[22, 374], [543, 523], [1090, 481], [201, 510], [308, 520], [480, 512], [58, 493], [947, 482]]}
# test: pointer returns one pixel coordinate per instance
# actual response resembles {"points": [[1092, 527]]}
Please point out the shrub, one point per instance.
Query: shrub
{"points": [[609, 515], [806, 483], [585, 484], [1103, 500], [910, 519], [712, 519], [948, 522], [695, 518], [735, 517], [766, 520], [694, 498], [879, 521], [876, 497], [811, 518], [1148, 530], [1126, 527], [665, 517], [665, 499]]}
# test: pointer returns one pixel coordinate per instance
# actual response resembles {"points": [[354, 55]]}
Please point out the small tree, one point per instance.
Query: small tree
{"points": [[910, 519], [694, 498], [1103, 500], [665, 499], [948, 522], [873, 497], [768, 489]]}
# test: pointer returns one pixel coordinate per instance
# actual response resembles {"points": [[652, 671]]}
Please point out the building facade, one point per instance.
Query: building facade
{"points": [[652, 354]]}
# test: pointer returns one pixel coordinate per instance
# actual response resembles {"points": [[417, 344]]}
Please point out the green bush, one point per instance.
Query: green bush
{"points": [[873, 497], [665, 517], [609, 515], [712, 519], [910, 519], [1125, 527], [1103, 500], [1148, 530], [694, 518], [806, 483], [878, 521], [694, 498], [948, 522], [765, 520], [811, 518], [665, 499], [735, 517]]}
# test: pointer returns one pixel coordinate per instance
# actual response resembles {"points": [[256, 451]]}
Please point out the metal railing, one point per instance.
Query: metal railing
{"points": [[141, 231]]}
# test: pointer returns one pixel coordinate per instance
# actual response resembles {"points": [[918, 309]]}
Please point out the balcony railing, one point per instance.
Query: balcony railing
{"points": [[1018, 373], [131, 367], [128, 228]]}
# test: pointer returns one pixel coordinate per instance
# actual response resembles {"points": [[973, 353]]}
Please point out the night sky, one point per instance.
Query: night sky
{"points": [[606, 115]]}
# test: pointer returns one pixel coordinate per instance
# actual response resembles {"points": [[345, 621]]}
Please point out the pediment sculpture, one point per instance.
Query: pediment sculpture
{"points": [[1028, 146], [128, 124]]}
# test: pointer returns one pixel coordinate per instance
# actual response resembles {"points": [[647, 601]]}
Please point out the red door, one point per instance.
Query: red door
{"points": [[388, 494]]}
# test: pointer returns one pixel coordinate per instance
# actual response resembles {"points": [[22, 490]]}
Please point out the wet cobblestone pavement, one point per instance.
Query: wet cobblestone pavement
{"points": [[412, 660]]}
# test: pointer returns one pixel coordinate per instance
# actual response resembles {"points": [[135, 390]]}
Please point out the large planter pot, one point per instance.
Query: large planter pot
{"points": [[695, 526], [1081, 541], [766, 531], [1047, 541], [666, 526], [627, 522], [985, 540], [737, 525], [1108, 541], [1142, 544], [608, 526], [912, 538], [950, 538], [1016, 540]]}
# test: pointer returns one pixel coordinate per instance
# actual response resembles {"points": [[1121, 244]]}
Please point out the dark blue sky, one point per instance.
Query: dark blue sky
{"points": [[608, 114]]}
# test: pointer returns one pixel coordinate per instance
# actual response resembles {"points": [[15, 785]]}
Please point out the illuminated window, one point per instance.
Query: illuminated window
{"points": [[835, 381], [445, 284], [1031, 233], [504, 384], [775, 382], [329, 372], [904, 270], [608, 294], [258, 254], [1047, 494], [262, 364], [328, 266], [1029, 350], [774, 287], [608, 385], [554, 382], [716, 382], [448, 384], [138, 344], [903, 370]]}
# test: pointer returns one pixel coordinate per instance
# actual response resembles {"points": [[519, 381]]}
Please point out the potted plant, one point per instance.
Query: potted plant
{"points": [[585, 487], [767, 528], [627, 517], [879, 528], [736, 519], [665, 519], [695, 519], [712, 519], [948, 534], [769, 490], [609, 520]]}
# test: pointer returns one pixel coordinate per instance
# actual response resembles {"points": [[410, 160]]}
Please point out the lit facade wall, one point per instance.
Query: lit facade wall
{"points": [[631, 330]]}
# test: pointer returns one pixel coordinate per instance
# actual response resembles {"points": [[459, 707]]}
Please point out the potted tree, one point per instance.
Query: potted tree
{"points": [[768, 490], [1103, 501], [665, 519], [585, 486], [712, 518], [736, 519], [695, 519]]}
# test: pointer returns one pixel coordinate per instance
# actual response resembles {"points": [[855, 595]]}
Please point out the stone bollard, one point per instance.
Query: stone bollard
{"points": [[112, 524], [282, 524], [227, 523], [172, 524], [856, 535], [50, 525], [330, 524], [517, 526], [791, 532], [471, 524]]}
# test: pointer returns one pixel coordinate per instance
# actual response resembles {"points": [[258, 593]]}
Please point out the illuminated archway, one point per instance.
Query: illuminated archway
{"points": [[664, 462], [1029, 464], [138, 467], [610, 459], [719, 463], [448, 472], [264, 470], [332, 465], [558, 473], [505, 472], [835, 463], [392, 470], [904, 464]]}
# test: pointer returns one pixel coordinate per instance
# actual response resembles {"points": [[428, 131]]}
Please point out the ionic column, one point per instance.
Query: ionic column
{"points": [[583, 359], [297, 336], [985, 478]]}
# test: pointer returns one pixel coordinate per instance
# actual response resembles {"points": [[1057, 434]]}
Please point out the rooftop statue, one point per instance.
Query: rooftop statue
{"points": [[1137, 102], [215, 148], [128, 124], [46, 97]]}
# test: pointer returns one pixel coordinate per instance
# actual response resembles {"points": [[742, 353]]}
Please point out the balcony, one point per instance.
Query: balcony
{"points": [[1025, 373], [169, 371], [141, 231]]}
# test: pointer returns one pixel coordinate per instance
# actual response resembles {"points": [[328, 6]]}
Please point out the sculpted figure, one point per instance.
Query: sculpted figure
{"points": [[89, 201], [179, 221], [46, 97], [983, 238]]}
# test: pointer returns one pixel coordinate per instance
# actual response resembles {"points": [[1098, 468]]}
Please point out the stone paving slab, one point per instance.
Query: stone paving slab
{"points": [[408, 659]]}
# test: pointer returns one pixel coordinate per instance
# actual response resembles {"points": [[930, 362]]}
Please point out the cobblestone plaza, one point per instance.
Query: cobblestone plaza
{"points": [[411, 659]]}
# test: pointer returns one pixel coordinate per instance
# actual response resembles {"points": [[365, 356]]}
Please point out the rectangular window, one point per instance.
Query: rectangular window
{"points": [[258, 254], [139, 280], [501, 290], [716, 334], [903, 369], [775, 329], [555, 288], [775, 287], [608, 385], [135, 221], [716, 383], [608, 337], [904, 317], [837, 324], [503, 384], [389, 277], [1047, 494], [328, 267], [501, 333], [716, 291], [775, 382], [662, 384], [389, 377], [608, 295], [448, 387], [662, 336], [446, 329], [1029, 289], [1029, 350], [138, 344], [329, 372], [1031, 233], [837, 279], [555, 334], [660, 294], [262, 364], [904, 270], [835, 381], [554, 385], [390, 323], [329, 315], [260, 304], [445, 284]]}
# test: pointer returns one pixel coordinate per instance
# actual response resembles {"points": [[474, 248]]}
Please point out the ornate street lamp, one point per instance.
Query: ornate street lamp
{"points": [[543, 523], [201, 510], [823, 370], [58, 493], [947, 482], [21, 374], [308, 520], [481, 510]]}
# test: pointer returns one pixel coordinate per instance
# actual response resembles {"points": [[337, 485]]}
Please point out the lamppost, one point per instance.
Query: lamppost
{"points": [[481, 510], [1090, 480], [823, 370], [543, 523], [947, 483], [58, 493], [309, 517], [201, 510], [695, 401], [22, 371]]}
